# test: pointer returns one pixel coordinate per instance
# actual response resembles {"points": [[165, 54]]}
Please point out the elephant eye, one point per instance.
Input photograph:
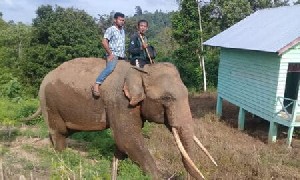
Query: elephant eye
{"points": [[167, 98]]}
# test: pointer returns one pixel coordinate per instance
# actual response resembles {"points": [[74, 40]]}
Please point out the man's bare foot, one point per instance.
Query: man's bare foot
{"points": [[95, 90]]}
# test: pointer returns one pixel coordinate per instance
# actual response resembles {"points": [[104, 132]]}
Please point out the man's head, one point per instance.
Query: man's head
{"points": [[119, 19], [142, 26]]}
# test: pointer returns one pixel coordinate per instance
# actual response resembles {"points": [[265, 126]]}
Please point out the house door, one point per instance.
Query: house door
{"points": [[292, 84]]}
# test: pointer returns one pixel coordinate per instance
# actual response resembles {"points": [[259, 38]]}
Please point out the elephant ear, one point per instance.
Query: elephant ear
{"points": [[133, 86]]}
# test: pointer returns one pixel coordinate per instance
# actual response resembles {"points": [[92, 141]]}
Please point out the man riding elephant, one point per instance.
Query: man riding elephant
{"points": [[114, 45]]}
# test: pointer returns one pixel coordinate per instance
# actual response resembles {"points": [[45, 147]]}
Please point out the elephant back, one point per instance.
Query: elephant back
{"points": [[80, 73], [66, 90]]}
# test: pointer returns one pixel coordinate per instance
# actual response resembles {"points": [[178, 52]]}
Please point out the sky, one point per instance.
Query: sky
{"points": [[24, 10]]}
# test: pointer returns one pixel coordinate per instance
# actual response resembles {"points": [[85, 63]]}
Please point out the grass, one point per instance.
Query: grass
{"points": [[37, 129], [11, 112]]}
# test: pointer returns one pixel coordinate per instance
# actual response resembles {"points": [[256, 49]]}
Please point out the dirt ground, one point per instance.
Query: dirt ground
{"points": [[239, 154]]}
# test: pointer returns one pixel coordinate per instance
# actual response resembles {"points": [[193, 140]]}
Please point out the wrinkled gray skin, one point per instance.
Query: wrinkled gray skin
{"points": [[128, 98]]}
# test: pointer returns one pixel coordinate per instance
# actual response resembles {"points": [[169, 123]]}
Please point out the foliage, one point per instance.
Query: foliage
{"points": [[14, 39], [59, 35], [12, 111], [129, 170], [157, 21], [101, 143], [164, 44], [216, 16], [232, 11], [212, 54], [28, 53], [138, 11], [8, 84], [186, 33]]}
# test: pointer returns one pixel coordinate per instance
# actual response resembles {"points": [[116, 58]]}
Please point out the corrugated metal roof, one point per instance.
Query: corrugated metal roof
{"points": [[270, 30]]}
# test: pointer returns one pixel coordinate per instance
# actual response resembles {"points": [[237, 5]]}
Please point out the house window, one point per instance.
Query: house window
{"points": [[294, 67], [292, 84]]}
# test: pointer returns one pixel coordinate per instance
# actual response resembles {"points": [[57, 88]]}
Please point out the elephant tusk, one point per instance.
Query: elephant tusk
{"points": [[204, 150], [184, 153]]}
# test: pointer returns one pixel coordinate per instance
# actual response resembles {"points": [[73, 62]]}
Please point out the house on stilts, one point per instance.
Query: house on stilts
{"points": [[259, 68]]}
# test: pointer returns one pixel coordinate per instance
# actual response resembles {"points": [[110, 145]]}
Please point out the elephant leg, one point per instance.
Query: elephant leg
{"points": [[58, 141], [58, 131], [133, 144]]}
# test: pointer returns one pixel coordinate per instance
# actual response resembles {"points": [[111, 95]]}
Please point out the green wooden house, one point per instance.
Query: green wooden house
{"points": [[259, 68]]}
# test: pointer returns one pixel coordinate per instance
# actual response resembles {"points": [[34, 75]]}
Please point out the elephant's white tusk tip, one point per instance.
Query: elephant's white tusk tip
{"points": [[205, 150]]}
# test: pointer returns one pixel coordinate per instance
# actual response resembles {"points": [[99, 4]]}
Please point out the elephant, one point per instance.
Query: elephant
{"points": [[128, 97]]}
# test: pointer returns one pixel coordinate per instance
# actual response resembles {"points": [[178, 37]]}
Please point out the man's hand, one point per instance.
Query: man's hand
{"points": [[144, 45], [108, 51], [110, 57]]}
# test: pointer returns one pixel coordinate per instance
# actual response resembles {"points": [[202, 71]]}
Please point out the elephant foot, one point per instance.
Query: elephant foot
{"points": [[58, 141]]}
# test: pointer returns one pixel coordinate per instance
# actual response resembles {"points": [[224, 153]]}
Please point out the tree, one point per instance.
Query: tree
{"points": [[231, 11], [138, 11], [104, 22], [186, 32], [2, 22], [297, 2], [59, 35], [278, 3], [215, 16], [14, 39], [261, 4], [165, 44]]}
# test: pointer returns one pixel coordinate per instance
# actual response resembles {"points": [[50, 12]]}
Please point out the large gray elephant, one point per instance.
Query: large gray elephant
{"points": [[129, 96]]}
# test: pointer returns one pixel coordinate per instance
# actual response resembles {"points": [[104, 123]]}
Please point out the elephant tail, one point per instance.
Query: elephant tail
{"points": [[33, 116]]}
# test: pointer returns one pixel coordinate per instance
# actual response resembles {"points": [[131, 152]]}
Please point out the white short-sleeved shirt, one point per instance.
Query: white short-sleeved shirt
{"points": [[116, 40]]}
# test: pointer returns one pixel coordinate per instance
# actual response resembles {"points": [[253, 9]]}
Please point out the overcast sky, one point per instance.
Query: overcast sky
{"points": [[24, 10]]}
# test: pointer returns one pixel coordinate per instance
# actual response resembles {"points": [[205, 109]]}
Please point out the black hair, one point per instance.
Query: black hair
{"points": [[142, 21], [118, 14]]}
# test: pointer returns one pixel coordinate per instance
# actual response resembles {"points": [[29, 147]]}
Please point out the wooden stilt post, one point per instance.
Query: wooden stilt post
{"points": [[219, 106], [290, 136], [273, 131], [241, 122]]}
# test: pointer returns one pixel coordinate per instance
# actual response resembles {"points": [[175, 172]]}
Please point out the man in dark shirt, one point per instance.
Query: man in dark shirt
{"points": [[137, 45]]}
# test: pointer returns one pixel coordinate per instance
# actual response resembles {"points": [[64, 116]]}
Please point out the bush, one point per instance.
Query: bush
{"points": [[12, 89], [11, 111]]}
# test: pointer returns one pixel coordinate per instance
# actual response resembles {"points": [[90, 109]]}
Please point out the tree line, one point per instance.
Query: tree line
{"points": [[57, 34]]}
